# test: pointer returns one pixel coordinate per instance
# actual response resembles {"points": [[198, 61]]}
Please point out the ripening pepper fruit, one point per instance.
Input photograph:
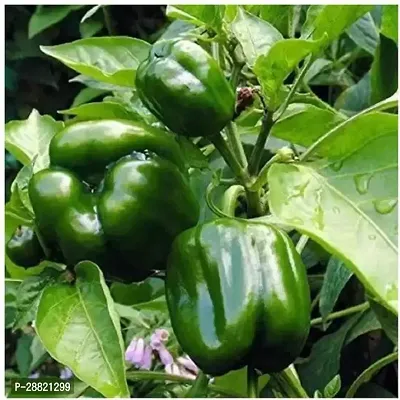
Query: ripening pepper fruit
{"points": [[24, 248], [116, 193], [183, 86], [237, 293]]}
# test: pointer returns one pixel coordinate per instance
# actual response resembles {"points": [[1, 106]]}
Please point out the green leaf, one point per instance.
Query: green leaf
{"points": [[384, 70], [194, 158], [369, 373], [95, 84], [79, 327], [273, 67], [389, 26], [305, 123], [324, 361], [349, 205], [46, 16], [327, 22], [209, 15], [102, 110], [38, 352], [318, 66], [87, 94], [90, 13], [255, 35], [11, 288], [367, 323], [387, 320], [364, 33], [29, 293], [333, 387], [357, 97], [140, 292], [23, 354], [30, 138], [277, 15], [176, 29], [371, 390], [90, 27], [111, 60], [335, 279]]}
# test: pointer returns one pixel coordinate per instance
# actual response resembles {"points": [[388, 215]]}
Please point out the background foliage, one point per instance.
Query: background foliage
{"points": [[356, 70]]}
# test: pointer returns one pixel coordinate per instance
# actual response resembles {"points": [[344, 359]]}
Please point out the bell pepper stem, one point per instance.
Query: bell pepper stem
{"points": [[200, 386], [229, 200], [221, 145], [256, 155], [289, 384], [252, 382], [235, 143]]}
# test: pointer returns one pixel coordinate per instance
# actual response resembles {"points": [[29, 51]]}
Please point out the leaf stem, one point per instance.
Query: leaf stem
{"points": [[229, 200], [256, 155], [252, 382], [289, 384], [161, 376], [294, 87], [301, 244], [236, 144], [342, 313]]}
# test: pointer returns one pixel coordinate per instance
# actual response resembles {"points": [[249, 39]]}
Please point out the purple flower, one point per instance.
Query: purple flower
{"points": [[139, 354], [156, 342], [34, 375], [187, 363], [66, 373]]}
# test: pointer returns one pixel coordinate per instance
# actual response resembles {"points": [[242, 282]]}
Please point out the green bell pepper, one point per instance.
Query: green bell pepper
{"points": [[126, 221], [183, 86], [24, 248], [238, 294]]}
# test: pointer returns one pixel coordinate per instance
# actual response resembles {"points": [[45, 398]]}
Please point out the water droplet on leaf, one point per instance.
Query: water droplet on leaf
{"points": [[385, 206], [337, 165], [362, 182], [336, 210]]}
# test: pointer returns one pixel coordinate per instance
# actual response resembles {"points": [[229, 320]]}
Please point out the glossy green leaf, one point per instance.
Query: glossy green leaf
{"points": [[46, 16], [335, 279], [201, 14], [319, 65], [327, 22], [90, 13], [276, 15], [349, 205], [389, 26], [79, 327], [364, 33], [134, 293], [30, 138], [324, 361], [90, 27], [101, 110], [86, 95], [384, 70], [95, 84], [305, 123], [272, 67], [177, 28], [369, 373], [333, 387], [111, 60], [255, 35], [371, 390]]}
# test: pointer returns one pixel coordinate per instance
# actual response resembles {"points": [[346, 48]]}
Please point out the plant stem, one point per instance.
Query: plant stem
{"points": [[252, 382], [315, 300], [263, 175], [234, 79], [161, 376], [342, 313], [236, 144], [258, 149], [289, 385], [294, 87], [254, 205], [221, 145], [229, 200], [200, 386]]}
